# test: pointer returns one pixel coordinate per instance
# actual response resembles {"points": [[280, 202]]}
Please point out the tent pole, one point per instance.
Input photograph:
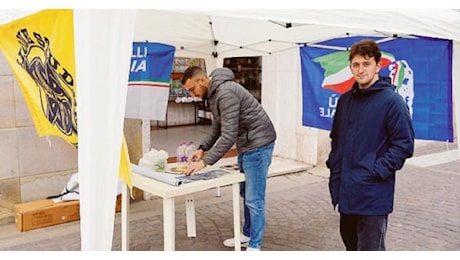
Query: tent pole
{"points": [[456, 90]]}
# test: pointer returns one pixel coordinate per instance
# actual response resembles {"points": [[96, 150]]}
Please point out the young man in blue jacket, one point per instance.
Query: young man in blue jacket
{"points": [[371, 137], [238, 118]]}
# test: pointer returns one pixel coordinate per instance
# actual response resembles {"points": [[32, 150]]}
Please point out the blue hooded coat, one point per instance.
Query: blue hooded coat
{"points": [[371, 137]]}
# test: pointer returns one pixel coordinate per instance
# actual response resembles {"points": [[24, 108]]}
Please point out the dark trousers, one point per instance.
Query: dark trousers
{"points": [[363, 233]]}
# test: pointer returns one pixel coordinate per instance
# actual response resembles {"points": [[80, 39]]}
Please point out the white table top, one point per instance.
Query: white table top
{"points": [[165, 190]]}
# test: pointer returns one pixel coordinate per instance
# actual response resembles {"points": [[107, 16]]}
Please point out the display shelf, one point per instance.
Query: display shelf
{"points": [[177, 112], [204, 114]]}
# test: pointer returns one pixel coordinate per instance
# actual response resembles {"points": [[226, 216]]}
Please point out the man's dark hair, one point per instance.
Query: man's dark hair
{"points": [[366, 48], [191, 72]]}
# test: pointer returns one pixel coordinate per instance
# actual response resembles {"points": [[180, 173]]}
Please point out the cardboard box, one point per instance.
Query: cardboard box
{"points": [[44, 213], [118, 204]]}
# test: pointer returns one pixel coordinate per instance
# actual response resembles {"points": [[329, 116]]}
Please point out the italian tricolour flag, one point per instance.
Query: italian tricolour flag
{"points": [[337, 74]]}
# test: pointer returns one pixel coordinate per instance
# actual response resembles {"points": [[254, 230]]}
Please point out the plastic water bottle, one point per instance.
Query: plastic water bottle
{"points": [[190, 148], [181, 156]]}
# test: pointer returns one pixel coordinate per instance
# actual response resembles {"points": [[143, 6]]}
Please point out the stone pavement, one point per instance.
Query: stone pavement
{"points": [[299, 214]]}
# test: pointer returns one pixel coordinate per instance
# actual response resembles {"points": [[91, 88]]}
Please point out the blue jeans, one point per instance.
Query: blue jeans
{"points": [[363, 233], [254, 164]]}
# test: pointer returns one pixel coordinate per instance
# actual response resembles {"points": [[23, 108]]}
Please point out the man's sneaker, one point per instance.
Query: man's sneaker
{"points": [[252, 249], [231, 241]]}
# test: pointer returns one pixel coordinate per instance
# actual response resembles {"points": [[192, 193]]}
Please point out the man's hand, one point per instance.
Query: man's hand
{"points": [[195, 156], [194, 167], [195, 162]]}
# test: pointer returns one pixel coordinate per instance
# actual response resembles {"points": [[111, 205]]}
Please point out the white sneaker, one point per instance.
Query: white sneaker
{"points": [[252, 249], [231, 241]]}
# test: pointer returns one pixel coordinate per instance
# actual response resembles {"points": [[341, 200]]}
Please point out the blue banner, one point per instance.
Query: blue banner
{"points": [[149, 80], [419, 67], [151, 63]]}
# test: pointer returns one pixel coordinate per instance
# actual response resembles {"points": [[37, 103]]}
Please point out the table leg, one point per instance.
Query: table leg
{"points": [[236, 215], [125, 197], [169, 224], [190, 214]]}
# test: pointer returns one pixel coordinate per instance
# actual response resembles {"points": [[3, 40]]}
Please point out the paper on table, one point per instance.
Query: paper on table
{"points": [[207, 175], [171, 180]]}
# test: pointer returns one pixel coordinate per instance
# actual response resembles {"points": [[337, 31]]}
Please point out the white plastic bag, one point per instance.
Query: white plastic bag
{"points": [[72, 190], [154, 160]]}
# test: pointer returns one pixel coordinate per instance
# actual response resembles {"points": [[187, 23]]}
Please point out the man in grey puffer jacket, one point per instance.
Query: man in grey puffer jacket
{"points": [[237, 118]]}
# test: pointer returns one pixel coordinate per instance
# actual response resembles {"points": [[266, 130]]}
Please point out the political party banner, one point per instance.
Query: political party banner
{"points": [[40, 50], [419, 67], [149, 79]]}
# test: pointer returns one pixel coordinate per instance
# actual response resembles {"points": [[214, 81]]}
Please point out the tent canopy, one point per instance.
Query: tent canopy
{"points": [[232, 33], [226, 33]]}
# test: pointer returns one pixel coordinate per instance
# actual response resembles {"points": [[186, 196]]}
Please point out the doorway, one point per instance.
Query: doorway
{"points": [[248, 72]]}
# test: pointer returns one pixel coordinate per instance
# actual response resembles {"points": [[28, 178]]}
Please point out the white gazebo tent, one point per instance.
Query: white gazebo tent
{"points": [[103, 41]]}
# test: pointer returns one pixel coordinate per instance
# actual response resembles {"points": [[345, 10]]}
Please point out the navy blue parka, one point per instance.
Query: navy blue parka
{"points": [[371, 137]]}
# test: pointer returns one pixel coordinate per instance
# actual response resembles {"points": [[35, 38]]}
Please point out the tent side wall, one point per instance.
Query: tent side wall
{"points": [[456, 89]]}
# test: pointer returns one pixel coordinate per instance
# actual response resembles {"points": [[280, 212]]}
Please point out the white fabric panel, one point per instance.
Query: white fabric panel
{"points": [[103, 45], [428, 22], [239, 33], [147, 102]]}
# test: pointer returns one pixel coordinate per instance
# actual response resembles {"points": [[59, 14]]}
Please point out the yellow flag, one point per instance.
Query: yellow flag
{"points": [[40, 50], [125, 167]]}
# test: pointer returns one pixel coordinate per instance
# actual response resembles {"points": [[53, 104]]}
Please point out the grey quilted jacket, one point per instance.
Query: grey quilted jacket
{"points": [[237, 118]]}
